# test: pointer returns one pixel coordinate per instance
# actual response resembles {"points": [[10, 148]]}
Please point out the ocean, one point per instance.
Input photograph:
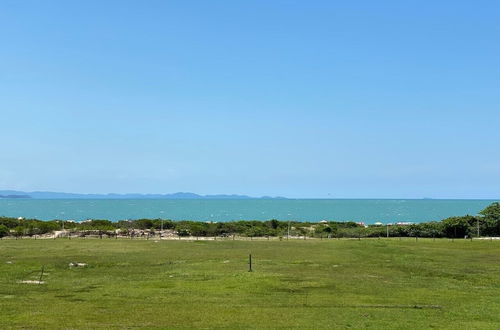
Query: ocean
{"points": [[223, 210]]}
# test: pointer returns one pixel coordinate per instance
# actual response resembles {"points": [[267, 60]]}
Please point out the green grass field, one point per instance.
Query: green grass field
{"points": [[295, 284]]}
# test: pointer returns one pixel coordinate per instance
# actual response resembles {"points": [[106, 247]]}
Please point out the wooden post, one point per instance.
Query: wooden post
{"points": [[250, 262], [41, 275]]}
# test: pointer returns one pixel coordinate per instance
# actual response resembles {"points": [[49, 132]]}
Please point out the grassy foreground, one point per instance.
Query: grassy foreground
{"points": [[387, 283]]}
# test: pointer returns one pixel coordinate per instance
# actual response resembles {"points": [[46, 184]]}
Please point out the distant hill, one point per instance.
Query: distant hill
{"points": [[15, 196], [61, 195]]}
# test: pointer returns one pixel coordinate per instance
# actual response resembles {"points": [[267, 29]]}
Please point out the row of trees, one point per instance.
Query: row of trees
{"points": [[486, 224]]}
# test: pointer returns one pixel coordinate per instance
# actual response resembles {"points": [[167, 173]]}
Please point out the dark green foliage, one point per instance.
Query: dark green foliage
{"points": [[492, 212], [183, 232], [144, 224], [459, 227], [490, 220], [4, 231], [19, 231], [47, 226], [9, 222]]}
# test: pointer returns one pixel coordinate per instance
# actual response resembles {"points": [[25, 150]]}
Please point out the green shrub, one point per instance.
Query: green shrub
{"points": [[4, 231]]}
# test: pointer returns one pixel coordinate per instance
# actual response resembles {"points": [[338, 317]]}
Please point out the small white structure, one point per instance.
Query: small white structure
{"points": [[77, 264]]}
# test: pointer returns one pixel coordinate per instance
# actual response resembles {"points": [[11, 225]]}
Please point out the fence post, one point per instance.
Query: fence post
{"points": [[41, 275]]}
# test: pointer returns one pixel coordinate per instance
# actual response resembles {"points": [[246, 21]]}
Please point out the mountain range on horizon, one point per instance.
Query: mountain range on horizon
{"points": [[178, 195]]}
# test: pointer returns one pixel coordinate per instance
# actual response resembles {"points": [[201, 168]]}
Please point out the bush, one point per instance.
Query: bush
{"points": [[9, 222], [4, 231], [458, 227]]}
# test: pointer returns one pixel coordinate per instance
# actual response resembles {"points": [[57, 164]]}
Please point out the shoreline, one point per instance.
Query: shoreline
{"points": [[466, 226]]}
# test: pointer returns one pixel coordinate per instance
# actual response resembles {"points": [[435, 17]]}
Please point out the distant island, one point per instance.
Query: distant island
{"points": [[15, 196], [178, 195]]}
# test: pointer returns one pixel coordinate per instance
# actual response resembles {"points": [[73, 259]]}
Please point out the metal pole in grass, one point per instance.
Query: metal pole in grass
{"points": [[288, 235], [387, 228], [250, 262], [161, 223], [161, 229]]}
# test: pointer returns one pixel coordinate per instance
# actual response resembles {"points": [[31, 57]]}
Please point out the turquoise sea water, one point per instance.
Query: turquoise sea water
{"points": [[366, 210]]}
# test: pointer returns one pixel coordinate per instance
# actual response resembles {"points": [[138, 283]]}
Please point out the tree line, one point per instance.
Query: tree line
{"points": [[487, 223]]}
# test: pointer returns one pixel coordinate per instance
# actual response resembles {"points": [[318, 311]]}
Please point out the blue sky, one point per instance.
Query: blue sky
{"points": [[327, 99]]}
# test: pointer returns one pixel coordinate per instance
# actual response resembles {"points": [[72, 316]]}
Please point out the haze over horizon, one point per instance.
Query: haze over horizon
{"points": [[320, 100], [4, 193]]}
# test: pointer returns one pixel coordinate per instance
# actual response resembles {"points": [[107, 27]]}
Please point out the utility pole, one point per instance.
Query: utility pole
{"points": [[478, 227], [288, 235], [387, 227], [161, 226]]}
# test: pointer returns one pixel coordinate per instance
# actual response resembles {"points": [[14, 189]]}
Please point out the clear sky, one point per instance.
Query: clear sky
{"points": [[328, 99]]}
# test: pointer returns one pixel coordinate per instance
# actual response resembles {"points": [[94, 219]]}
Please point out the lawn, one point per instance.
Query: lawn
{"points": [[386, 283]]}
